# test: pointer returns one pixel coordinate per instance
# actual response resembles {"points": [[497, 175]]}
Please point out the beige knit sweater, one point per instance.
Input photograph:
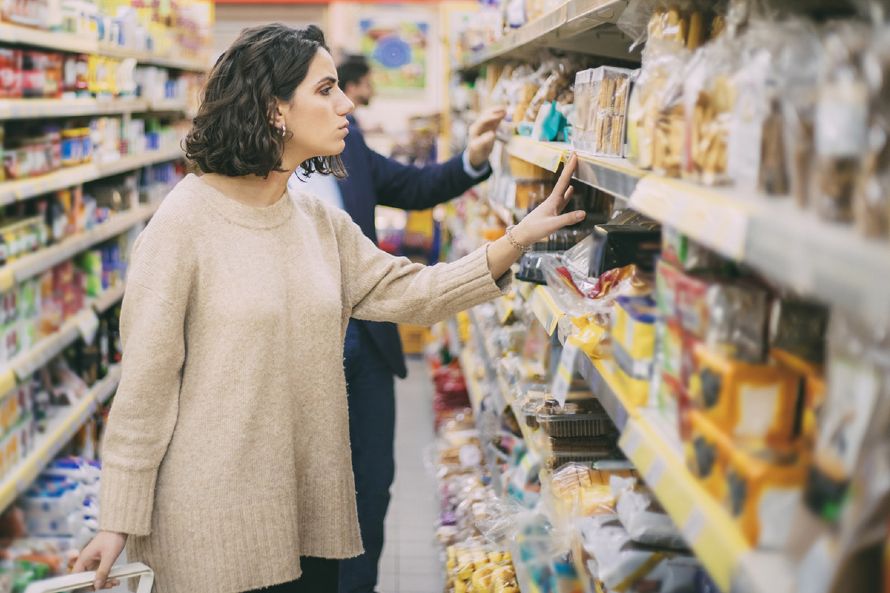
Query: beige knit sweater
{"points": [[226, 455]]}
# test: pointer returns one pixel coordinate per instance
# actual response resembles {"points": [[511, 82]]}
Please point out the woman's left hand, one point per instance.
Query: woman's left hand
{"points": [[548, 218]]}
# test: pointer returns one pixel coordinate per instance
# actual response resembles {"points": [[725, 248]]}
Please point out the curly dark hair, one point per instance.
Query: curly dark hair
{"points": [[233, 133]]}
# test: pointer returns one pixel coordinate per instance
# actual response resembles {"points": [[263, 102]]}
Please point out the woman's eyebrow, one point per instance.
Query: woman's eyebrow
{"points": [[326, 79]]}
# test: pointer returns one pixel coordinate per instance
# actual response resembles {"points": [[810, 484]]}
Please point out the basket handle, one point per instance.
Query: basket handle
{"points": [[82, 580]]}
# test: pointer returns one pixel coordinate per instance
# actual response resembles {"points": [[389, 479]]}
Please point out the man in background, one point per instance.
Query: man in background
{"points": [[373, 351]]}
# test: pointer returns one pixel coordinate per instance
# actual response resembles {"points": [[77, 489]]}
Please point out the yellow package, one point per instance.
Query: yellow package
{"points": [[746, 401], [764, 490], [633, 335], [592, 339], [706, 455]]}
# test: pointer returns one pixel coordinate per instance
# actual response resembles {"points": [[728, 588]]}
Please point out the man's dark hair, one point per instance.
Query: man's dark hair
{"points": [[234, 132], [352, 70]]}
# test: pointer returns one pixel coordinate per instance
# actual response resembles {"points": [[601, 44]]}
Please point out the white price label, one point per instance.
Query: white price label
{"points": [[694, 526], [564, 373]]}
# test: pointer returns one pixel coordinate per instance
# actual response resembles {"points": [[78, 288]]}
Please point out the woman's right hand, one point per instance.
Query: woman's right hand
{"points": [[100, 555]]}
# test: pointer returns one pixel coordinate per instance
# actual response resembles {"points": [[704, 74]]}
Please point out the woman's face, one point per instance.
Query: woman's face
{"points": [[316, 116]]}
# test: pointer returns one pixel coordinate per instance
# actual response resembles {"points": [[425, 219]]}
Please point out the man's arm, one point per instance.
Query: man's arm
{"points": [[420, 188]]}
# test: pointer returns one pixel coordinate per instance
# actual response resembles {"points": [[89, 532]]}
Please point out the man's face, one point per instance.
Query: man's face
{"points": [[361, 92]]}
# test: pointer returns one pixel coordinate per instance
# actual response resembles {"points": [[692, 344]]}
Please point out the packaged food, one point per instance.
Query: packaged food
{"points": [[585, 418], [761, 487], [633, 335], [871, 207], [686, 254], [10, 73], [619, 245], [800, 328], [757, 402], [645, 521], [855, 418], [709, 94], [609, 89], [623, 565], [655, 112], [841, 124], [577, 490]]}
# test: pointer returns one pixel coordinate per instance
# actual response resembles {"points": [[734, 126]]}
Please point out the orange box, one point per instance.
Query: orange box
{"points": [[746, 401]]}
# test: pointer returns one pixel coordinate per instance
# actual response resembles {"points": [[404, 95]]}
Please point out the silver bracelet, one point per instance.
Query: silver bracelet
{"points": [[519, 246]]}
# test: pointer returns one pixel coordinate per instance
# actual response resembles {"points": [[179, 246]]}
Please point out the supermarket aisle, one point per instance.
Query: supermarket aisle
{"points": [[411, 562]]}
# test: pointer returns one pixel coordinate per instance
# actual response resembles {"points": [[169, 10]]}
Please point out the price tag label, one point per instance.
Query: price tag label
{"points": [[656, 472], [694, 526], [565, 370]]}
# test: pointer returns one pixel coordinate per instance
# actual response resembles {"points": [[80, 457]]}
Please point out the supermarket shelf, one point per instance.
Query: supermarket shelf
{"points": [[615, 176], [601, 377], [25, 364], [828, 261], [45, 108], [109, 298], [61, 429], [474, 389], [585, 26], [137, 161], [40, 261], [813, 257], [12, 191], [707, 527], [68, 42], [544, 306], [168, 105]]}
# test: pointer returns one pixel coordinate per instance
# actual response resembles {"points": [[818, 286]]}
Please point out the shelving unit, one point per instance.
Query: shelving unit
{"points": [[827, 261], [63, 426], [717, 541], [44, 259], [12, 191], [585, 26], [68, 42]]}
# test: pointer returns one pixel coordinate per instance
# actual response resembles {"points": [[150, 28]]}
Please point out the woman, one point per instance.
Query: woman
{"points": [[226, 464]]}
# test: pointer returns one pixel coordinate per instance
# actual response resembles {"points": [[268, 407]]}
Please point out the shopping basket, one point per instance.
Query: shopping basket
{"points": [[81, 580]]}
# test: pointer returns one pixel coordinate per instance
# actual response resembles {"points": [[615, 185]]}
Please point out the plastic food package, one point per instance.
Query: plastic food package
{"points": [[841, 126], [624, 566], [871, 209], [709, 94], [645, 521], [655, 112], [604, 110], [585, 418], [578, 490]]}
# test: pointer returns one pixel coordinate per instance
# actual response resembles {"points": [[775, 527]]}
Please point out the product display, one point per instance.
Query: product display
{"points": [[750, 410]]}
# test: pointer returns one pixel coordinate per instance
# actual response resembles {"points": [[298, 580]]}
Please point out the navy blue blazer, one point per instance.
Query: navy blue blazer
{"points": [[373, 179]]}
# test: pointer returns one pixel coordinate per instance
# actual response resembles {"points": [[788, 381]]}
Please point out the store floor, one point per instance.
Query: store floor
{"points": [[411, 562]]}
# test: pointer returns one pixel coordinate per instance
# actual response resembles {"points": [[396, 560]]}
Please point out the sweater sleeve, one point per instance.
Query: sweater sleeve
{"points": [[145, 408], [382, 287]]}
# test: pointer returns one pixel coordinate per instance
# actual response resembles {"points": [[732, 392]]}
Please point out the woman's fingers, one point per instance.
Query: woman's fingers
{"points": [[565, 178]]}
